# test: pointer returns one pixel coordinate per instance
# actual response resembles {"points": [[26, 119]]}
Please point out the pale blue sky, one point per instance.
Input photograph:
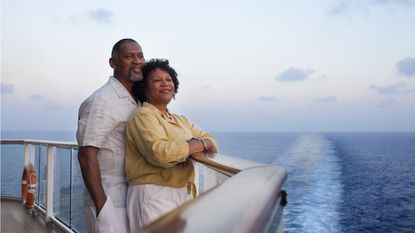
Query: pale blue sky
{"points": [[243, 65]]}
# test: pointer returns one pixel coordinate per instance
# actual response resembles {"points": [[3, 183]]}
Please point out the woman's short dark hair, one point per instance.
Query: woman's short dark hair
{"points": [[141, 86]]}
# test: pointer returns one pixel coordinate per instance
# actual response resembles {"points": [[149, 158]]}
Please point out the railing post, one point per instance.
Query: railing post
{"points": [[49, 182], [197, 184], [26, 154]]}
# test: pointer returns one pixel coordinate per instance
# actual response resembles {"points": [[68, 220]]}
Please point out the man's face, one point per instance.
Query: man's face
{"points": [[128, 62]]}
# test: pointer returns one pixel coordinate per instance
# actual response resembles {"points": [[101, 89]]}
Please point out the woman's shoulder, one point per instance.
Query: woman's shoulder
{"points": [[144, 110], [141, 114]]}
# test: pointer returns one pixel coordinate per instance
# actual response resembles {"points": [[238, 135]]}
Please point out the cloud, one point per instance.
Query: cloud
{"points": [[101, 16], [385, 103], [406, 66], [206, 87], [397, 88], [7, 88], [266, 98], [50, 105], [325, 99], [43, 103], [36, 97], [294, 74], [339, 8], [395, 2], [322, 78], [343, 7]]}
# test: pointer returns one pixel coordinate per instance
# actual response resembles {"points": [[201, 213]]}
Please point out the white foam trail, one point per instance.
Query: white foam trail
{"points": [[314, 185]]}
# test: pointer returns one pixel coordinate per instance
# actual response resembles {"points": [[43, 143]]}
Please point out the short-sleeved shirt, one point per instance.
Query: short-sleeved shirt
{"points": [[155, 143], [102, 120]]}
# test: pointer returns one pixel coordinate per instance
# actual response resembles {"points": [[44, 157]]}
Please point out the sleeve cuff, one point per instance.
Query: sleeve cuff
{"points": [[183, 150]]}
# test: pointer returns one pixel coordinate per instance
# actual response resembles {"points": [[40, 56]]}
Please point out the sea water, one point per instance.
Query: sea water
{"points": [[337, 182]]}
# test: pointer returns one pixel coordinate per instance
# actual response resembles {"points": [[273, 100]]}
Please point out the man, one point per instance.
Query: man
{"points": [[101, 126]]}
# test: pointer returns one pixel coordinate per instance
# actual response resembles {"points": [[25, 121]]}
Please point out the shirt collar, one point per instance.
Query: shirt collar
{"points": [[120, 89], [166, 116]]}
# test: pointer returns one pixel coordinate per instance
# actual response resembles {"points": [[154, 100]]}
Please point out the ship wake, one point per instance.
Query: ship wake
{"points": [[314, 185]]}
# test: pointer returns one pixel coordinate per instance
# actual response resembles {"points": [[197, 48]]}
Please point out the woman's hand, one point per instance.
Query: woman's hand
{"points": [[201, 145]]}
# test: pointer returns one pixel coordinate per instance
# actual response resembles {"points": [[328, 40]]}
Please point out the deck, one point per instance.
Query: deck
{"points": [[16, 219]]}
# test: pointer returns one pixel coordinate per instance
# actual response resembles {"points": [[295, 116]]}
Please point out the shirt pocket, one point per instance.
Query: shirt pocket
{"points": [[105, 219]]}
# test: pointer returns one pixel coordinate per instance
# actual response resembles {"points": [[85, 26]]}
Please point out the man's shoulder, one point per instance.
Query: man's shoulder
{"points": [[101, 94], [100, 97], [105, 91]]}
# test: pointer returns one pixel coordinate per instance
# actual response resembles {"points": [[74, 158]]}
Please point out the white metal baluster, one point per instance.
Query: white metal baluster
{"points": [[49, 182], [27, 159], [196, 167]]}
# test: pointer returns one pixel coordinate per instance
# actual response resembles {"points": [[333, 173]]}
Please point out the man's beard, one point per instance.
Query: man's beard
{"points": [[135, 78]]}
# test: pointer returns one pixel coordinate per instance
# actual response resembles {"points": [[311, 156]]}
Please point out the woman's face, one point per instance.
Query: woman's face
{"points": [[160, 87]]}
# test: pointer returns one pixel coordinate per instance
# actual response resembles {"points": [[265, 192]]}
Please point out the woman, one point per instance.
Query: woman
{"points": [[158, 145]]}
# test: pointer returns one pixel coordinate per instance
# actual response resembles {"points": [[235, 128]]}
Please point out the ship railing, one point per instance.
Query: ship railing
{"points": [[234, 195], [56, 170]]}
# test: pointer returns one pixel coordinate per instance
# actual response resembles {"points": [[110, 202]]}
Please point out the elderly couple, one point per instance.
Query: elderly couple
{"points": [[127, 134]]}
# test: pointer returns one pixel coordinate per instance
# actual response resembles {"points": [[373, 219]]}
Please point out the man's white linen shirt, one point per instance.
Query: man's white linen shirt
{"points": [[102, 121]]}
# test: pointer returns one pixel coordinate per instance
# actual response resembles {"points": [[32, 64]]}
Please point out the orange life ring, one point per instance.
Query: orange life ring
{"points": [[28, 186]]}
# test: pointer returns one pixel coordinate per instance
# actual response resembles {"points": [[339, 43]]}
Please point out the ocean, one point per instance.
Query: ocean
{"points": [[337, 182]]}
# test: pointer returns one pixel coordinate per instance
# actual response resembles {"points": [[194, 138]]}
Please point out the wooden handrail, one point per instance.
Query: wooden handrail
{"points": [[223, 163], [241, 204]]}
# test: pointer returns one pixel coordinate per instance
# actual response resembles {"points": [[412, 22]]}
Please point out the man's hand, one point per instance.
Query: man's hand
{"points": [[87, 157]]}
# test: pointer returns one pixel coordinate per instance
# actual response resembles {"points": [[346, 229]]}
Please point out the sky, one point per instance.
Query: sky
{"points": [[311, 65]]}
